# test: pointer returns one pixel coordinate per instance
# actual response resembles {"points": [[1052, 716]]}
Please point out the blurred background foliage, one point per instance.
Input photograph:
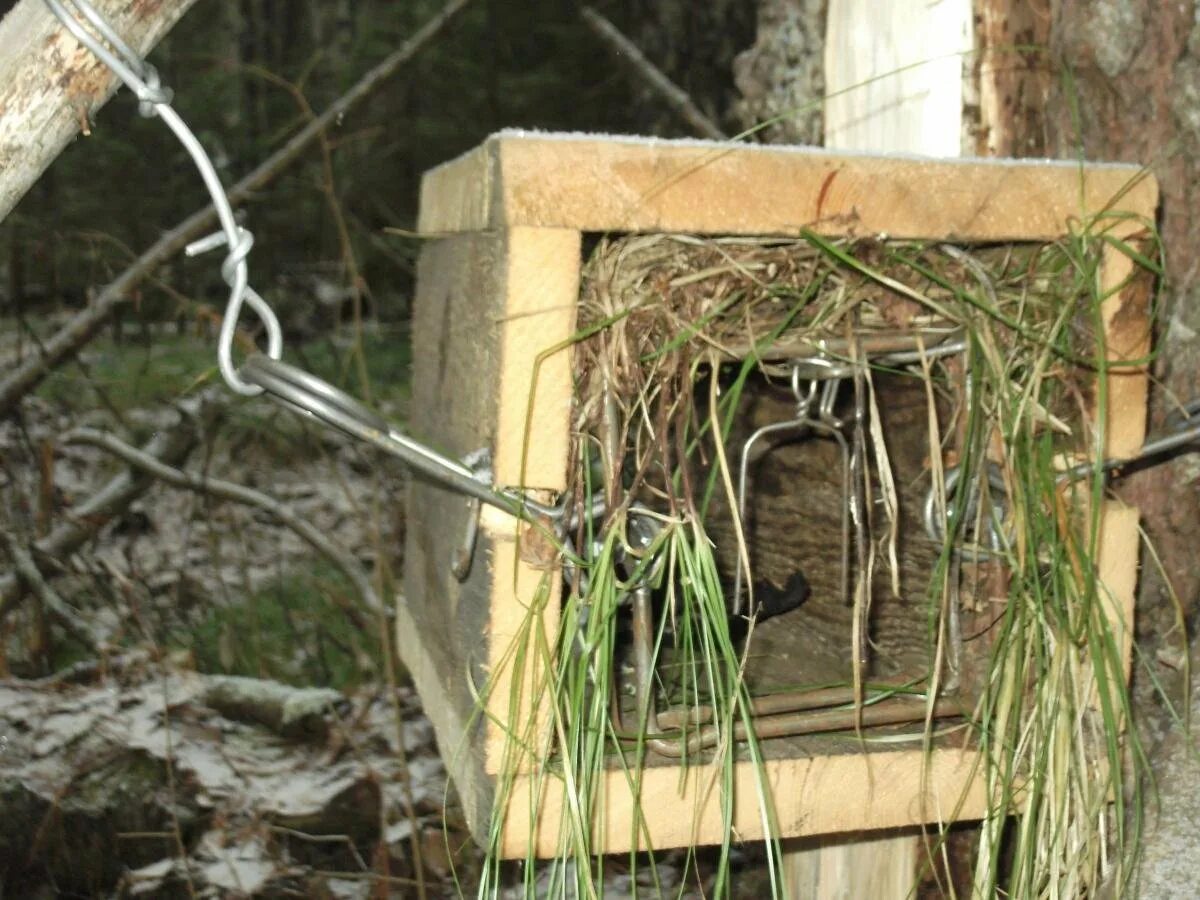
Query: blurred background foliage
{"points": [[242, 71], [247, 75]]}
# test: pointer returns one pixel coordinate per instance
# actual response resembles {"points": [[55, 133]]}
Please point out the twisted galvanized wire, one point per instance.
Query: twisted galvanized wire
{"points": [[154, 99]]}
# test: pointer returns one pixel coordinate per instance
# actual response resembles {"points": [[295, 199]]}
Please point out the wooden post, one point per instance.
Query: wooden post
{"points": [[894, 77], [51, 86]]}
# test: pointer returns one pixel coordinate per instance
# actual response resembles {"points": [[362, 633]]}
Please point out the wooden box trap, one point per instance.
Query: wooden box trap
{"points": [[817, 436]]}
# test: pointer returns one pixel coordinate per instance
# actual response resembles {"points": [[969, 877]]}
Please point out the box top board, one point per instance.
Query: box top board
{"points": [[602, 183]]}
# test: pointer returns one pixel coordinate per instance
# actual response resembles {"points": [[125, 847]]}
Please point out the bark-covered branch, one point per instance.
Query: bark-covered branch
{"points": [[171, 446], [31, 577], [286, 710], [87, 323], [227, 490], [50, 85]]}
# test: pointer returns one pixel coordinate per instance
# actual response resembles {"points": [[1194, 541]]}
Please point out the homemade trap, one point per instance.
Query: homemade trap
{"points": [[746, 388]]}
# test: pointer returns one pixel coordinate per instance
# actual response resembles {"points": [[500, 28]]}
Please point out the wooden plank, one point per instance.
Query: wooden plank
{"points": [[893, 75], [1117, 568], [1127, 329], [848, 867], [486, 306], [815, 795], [596, 184], [885, 93], [51, 86], [441, 624], [542, 286]]}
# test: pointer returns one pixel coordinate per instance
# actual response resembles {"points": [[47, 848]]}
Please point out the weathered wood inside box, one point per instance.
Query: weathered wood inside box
{"points": [[498, 285]]}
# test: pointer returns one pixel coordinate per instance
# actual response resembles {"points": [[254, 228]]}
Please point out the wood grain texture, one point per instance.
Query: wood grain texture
{"points": [[442, 624], [848, 867], [597, 184], [819, 795], [793, 523], [893, 75], [486, 306], [51, 85]]}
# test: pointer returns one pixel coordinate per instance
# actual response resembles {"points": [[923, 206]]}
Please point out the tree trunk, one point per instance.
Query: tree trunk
{"points": [[782, 77], [694, 45], [1132, 70], [1126, 86], [50, 86]]}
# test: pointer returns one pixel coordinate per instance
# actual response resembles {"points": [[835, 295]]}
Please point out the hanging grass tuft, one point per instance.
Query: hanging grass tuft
{"points": [[764, 538]]}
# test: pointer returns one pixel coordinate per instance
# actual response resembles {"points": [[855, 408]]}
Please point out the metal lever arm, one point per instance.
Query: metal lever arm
{"points": [[1185, 430], [1182, 434], [304, 392]]}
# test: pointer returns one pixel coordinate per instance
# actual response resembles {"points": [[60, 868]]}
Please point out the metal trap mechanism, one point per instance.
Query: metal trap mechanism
{"points": [[817, 381]]}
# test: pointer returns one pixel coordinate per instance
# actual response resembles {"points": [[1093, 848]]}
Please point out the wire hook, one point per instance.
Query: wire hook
{"points": [[154, 99]]}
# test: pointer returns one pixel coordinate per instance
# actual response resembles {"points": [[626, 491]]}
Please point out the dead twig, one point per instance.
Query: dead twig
{"points": [[628, 54], [237, 493], [170, 446], [84, 326], [30, 576], [91, 669]]}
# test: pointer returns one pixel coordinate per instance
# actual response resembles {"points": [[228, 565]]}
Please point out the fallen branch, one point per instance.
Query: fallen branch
{"points": [[288, 711], [628, 54], [171, 446], [88, 322], [227, 490], [87, 670], [31, 577]]}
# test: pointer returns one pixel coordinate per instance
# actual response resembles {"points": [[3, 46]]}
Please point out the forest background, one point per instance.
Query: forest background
{"points": [[218, 590]]}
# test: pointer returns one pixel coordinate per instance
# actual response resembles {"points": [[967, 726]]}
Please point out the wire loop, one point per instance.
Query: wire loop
{"points": [[154, 99]]}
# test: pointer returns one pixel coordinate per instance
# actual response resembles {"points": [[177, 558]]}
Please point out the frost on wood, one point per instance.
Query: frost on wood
{"points": [[50, 86]]}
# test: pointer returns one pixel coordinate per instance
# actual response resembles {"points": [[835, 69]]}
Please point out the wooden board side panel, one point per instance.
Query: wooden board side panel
{"points": [[535, 387], [442, 623], [487, 307], [601, 185], [541, 283], [1127, 333], [1117, 566], [1126, 316]]}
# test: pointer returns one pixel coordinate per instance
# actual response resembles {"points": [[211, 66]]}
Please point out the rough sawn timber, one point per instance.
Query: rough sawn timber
{"points": [[498, 286], [596, 184]]}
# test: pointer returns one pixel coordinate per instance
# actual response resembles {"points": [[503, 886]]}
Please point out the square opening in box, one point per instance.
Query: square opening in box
{"points": [[800, 560], [528, 664]]}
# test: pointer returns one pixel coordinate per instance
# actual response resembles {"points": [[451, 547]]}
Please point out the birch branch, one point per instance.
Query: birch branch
{"points": [[84, 325], [172, 446], [50, 85], [30, 576]]}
